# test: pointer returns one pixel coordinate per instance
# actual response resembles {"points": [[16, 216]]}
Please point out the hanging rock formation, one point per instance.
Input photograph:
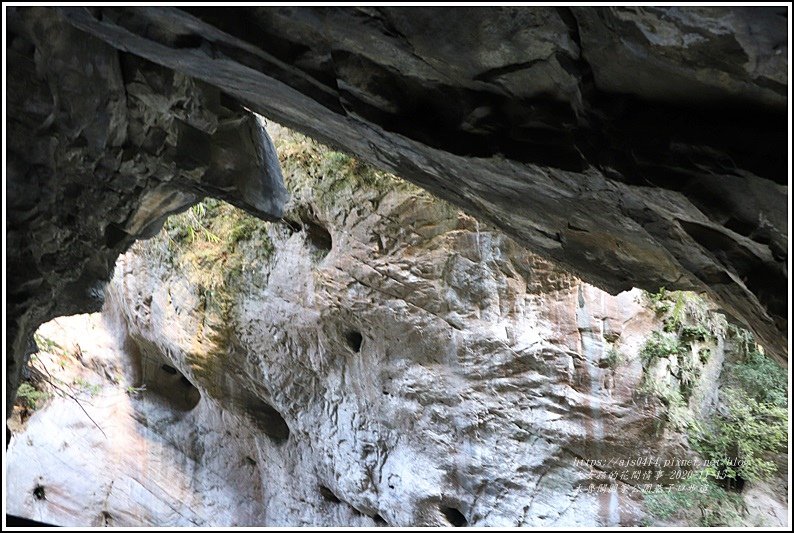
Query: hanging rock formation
{"points": [[379, 358], [102, 148], [638, 146]]}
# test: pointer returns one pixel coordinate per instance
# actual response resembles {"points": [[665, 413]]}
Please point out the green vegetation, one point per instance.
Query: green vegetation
{"points": [[761, 378], [322, 181], [30, 395], [658, 301], [688, 326], [134, 391], [740, 441], [715, 505], [205, 244], [657, 346], [748, 431], [327, 173], [694, 333], [92, 389], [613, 358], [47, 345]]}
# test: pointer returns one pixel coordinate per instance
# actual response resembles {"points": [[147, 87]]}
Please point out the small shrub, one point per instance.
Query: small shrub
{"points": [[677, 315], [694, 333], [30, 395], [737, 444], [716, 506], [761, 378], [613, 358], [658, 346], [134, 391], [689, 371], [92, 389], [658, 300]]}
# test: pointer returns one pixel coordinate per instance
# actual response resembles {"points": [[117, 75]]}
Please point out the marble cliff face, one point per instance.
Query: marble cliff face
{"points": [[378, 357], [636, 146]]}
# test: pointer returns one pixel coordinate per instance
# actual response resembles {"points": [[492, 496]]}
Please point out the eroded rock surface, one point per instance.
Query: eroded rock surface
{"points": [[380, 358], [638, 146], [102, 147]]}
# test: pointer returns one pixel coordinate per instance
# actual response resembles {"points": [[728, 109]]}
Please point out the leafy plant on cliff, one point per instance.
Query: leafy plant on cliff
{"points": [[84, 386], [761, 378], [696, 494], [613, 358], [696, 332], [741, 441], [30, 395], [323, 176], [659, 301], [206, 244], [657, 346]]}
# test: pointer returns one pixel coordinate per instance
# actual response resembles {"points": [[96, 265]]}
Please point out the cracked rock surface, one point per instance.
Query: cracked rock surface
{"points": [[640, 147], [637, 146], [379, 358], [102, 148]]}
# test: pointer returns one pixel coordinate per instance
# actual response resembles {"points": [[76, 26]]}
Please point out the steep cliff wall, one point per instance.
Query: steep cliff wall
{"points": [[378, 358], [637, 146]]}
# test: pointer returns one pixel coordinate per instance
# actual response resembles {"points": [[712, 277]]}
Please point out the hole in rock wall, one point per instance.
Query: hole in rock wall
{"points": [[328, 495], [294, 226], [354, 339], [379, 520], [731, 484], [105, 519], [318, 238], [39, 493], [454, 517], [267, 418], [163, 380]]}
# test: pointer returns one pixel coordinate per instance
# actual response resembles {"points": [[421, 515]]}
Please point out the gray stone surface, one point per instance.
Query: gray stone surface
{"points": [[638, 146], [417, 367], [102, 147]]}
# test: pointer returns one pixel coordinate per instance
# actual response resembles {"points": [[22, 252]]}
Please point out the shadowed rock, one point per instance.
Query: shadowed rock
{"points": [[638, 146]]}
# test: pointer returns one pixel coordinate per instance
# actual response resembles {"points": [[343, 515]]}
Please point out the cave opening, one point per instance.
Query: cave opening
{"points": [[328, 495], [213, 242], [39, 493], [454, 517], [266, 417], [319, 238], [354, 340], [160, 380]]}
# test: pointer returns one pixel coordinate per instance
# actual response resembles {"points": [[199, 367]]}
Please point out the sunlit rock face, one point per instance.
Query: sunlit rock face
{"points": [[378, 358], [638, 147]]}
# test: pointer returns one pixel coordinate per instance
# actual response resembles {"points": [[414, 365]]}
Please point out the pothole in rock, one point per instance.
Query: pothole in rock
{"points": [[454, 517], [354, 339], [328, 495], [318, 238], [266, 417], [39, 493], [158, 377]]}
